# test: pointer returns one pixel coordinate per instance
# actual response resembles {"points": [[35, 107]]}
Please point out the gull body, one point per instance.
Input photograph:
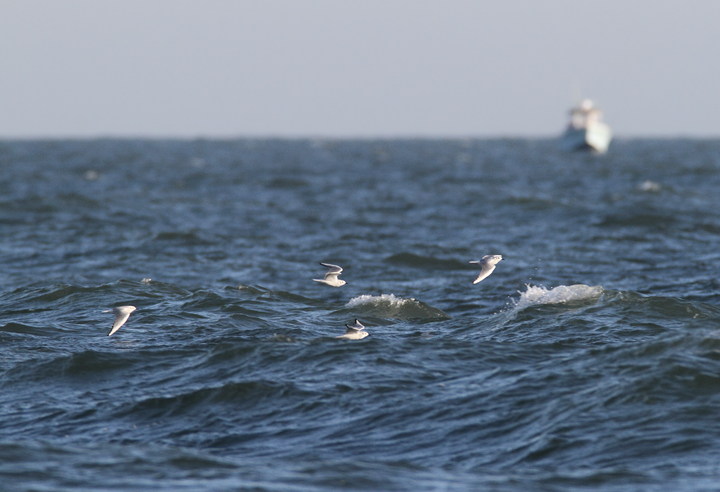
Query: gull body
{"points": [[487, 265], [331, 277], [354, 332], [122, 313]]}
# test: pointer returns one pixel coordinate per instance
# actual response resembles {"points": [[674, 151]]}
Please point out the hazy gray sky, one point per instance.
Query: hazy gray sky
{"points": [[356, 68]]}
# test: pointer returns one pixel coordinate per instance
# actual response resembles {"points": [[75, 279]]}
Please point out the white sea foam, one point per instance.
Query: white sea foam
{"points": [[535, 295], [650, 186], [388, 299], [390, 306]]}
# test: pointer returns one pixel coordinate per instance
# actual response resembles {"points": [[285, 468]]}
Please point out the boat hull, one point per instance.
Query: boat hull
{"points": [[595, 137]]}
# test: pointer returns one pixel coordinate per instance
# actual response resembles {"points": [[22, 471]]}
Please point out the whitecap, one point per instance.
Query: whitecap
{"points": [[390, 306], [388, 299], [535, 295], [91, 175], [650, 186]]}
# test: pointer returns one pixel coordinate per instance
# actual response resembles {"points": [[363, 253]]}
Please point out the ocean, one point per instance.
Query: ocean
{"points": [[588, 360]]}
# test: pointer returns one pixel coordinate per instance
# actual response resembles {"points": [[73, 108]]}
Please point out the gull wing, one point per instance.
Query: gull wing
{"points": [[121, 316], [355, 328], [333, 272], [120, 320], [485, 270]]}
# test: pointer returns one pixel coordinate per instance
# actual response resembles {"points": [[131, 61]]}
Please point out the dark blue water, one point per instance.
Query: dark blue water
{"points": [[589, 360]]}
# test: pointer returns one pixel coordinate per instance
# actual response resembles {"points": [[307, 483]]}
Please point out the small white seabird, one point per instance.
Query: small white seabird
{"points": [[331, 277], [354, 332], [122, 313], [487, 265]]}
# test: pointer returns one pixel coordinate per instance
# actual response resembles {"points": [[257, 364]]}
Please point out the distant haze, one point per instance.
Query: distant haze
{"points": [[370, 68]]}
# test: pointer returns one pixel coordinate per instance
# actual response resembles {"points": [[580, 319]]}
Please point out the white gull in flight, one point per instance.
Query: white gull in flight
{"points": [[122, 313], [487, 265], [331, 277]]}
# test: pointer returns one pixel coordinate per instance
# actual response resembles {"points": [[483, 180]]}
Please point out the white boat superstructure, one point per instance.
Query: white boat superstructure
{"points": [[586, 131]]}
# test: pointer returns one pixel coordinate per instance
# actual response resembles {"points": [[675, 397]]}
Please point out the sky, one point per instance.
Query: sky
{"points": [[341, 68]]}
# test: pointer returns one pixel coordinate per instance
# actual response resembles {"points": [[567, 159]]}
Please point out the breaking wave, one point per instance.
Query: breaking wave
{"points": [[536, 295], [389, 306]]}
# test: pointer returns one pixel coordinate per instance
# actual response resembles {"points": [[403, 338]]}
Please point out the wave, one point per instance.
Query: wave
{"points": [[89, 367], [389, 306], [663, 307], [427, 262], [23, 329], [200, 400], [643, 219], [183, 237], [536, 295]]}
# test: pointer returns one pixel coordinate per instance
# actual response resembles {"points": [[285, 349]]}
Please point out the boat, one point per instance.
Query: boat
{"points": [[586, 131]]}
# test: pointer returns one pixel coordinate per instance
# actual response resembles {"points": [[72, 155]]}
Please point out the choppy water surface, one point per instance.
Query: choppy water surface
{"points": [[590, 358]]}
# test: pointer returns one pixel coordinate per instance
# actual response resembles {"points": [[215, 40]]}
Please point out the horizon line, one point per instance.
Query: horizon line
{"points": [[291, 136]]}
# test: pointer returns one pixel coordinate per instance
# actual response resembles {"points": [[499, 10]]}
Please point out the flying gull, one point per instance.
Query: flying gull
{"points": [[331, 277], [487, 265], [122, 313], [354, 332]]}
